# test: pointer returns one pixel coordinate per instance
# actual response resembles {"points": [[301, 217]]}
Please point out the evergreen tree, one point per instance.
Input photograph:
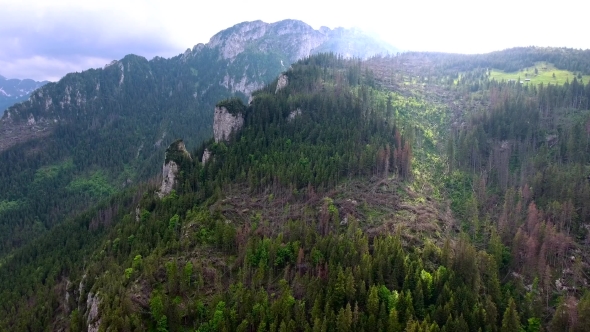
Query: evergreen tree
{"points": [[510, 319]]}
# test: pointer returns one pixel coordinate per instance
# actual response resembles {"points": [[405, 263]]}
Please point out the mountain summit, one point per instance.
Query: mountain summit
{"points": [[237, 60], [295, 40], [255, 52]]}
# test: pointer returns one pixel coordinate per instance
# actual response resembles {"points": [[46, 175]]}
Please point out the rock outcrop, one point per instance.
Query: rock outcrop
{"points": [[93, 320], [242, 84], [206, 156], [294, 114], [169, 172], [224, 123], [175, 153], [288, 41], [282, 82], [297, 38]]}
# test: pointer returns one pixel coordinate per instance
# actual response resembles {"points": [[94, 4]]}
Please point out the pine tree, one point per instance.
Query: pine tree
{"points": [[561, 320], [393, 323], [583, 313], [510, 320]]}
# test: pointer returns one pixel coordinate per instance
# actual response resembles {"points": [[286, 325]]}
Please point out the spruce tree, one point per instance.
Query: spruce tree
{"points": [[510, 320]]}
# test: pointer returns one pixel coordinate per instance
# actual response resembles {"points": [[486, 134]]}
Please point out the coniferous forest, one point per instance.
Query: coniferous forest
{"points": [[400, 193]]}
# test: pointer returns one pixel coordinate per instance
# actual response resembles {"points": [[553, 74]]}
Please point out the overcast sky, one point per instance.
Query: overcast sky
{"points": [[45, 40]]}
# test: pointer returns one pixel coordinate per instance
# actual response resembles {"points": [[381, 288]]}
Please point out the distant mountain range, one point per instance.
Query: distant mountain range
{"points": [[13, 90]]}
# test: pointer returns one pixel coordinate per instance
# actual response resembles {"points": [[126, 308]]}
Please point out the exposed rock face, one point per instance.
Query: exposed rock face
{"points": [[31, 120], [233, 42], [297, 38], [169, 171], [243, 59], [206, 156], [93, 321], [242, 84], [174, 155], [294, 114], [224, 123], [282, 82], [289, 41]]}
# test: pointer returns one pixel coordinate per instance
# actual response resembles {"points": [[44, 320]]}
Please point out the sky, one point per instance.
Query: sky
{"points": [[44, 40]]}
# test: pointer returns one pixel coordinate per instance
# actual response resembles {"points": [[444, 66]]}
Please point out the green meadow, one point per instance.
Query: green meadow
{"points": [[541, 72]]}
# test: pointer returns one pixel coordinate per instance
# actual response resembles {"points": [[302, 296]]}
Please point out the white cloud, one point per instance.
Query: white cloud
{"points": [[52, 69], [72, 33]]}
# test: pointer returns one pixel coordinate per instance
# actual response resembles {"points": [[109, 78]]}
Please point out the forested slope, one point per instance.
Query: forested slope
{"points": [[92, 134], [398, 193]]}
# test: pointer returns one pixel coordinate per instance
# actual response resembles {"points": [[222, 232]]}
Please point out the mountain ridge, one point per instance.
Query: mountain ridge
{"points": [[108, 126], [260, 37], [14, 90]]}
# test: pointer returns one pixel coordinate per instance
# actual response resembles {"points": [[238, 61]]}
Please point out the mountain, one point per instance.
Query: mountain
{"points": [[14, 90], [78, 141], [421, 191], [414, 192], [237, 60]]}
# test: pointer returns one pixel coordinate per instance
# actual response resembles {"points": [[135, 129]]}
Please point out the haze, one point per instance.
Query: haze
{"points": [[45, 40]]}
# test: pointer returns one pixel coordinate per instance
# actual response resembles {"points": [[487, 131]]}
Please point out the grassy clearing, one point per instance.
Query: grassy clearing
{"points": [[546, 73]]}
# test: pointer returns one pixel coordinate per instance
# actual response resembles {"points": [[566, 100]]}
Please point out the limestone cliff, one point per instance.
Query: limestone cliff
{"points": [[175, 154], [206, 156], [255, 52], [224, 123], [282, 82], [294, 114], [169, 172], [128, 104], [93, 319], [238, 60]]}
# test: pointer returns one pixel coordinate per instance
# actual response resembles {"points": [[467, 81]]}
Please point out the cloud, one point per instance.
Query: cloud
{"points": [[51, 69], [46, 42], [43, 39], [47, 39]]}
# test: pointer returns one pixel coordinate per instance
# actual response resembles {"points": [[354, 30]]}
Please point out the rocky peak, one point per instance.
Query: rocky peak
{"points": [[177, 151], [233, 41], [250, 54], [297, 39], [294, 38]]}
